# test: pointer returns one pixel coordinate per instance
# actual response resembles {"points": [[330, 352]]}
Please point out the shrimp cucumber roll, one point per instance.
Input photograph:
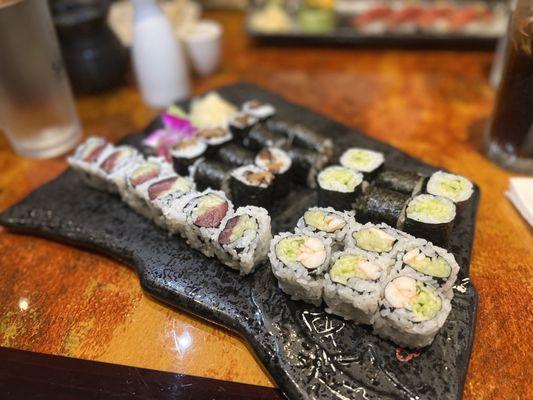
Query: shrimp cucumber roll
{"points": [[326, 222]]}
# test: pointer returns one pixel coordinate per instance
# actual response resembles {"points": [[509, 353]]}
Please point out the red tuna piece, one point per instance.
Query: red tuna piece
{"points": [[225, 235], [212, 217], [156, 189], [94, 153], [144, 174]]}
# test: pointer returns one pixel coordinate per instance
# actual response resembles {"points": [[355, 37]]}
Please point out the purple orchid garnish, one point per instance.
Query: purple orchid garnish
{"points": [[181, 126]]}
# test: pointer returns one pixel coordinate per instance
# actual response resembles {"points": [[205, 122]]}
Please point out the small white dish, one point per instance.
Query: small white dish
{"points": [[202, 41]]}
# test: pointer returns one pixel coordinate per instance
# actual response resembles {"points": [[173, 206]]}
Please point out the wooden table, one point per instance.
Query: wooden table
{"points": [[60, 300]]}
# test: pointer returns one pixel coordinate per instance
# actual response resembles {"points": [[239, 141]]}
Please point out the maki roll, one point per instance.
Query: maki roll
{"points": [[214, 138], [428, 263], [430, 217], [240, 125], [338, 187], [210, 174], [251, 185], [185, 153], [260, 136], [353, 285], [382, 205], [411, 312], [366, 161], [406, 182], [244, 240], [234, 155], [454, 187], [279, 164], [86, 160], [305, 166], [116, 164], [326, 222], [259, 110], [162, 191], [299, 262]]}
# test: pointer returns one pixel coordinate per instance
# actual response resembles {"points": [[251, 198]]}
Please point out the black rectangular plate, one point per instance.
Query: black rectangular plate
{"points": [[310, 354]]}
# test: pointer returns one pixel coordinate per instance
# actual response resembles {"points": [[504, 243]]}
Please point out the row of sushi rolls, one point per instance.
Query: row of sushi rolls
{"points": [[370, 249]]}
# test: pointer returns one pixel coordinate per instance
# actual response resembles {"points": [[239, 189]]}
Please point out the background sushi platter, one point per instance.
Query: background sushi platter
{"points": [[310, 354]]}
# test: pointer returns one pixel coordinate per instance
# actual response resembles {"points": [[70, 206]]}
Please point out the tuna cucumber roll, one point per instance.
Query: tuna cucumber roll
{"points": [[244, 240], [277, 162], [241, 124], [430, 217], [326, 222], [382, 205], [185, 153], [299, 262], [214, 138], [305, 166], [338, 187], [86, 159], [258, 109], [260, 136], [454, 187], [406, 182], [251, 185], [210, 174], [235, 156], [353, 285], [117, 163], [411, 312], [366, 161]]}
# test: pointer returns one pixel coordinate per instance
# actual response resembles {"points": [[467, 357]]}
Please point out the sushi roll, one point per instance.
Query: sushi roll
{"points": [[382, 205], [299, 261], [428, 263], [251, 185], [326, 222], [185, 153], [117, 163], [211, 174], [338, 187], [277, 162], [430, 217], [235, 156], [244, 240], [240, 125], [411, 312], [260, 136], [353, 285], [86, 160], [214, 138], [259, 110], [454, 187], [305, 166], [406, 182], [366, 161]]}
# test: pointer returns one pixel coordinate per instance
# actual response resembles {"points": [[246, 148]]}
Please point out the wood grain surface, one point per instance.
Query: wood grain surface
{"points": [[59, 300]]}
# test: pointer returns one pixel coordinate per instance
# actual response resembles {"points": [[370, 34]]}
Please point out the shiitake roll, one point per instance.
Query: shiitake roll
{"points": [[278, 163], [251, 185], [401, 181], [260, 136], [211, 174]]}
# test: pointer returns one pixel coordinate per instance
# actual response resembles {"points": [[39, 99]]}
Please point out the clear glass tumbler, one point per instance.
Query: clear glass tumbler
{"points": [[37, 111], [509, 136]]}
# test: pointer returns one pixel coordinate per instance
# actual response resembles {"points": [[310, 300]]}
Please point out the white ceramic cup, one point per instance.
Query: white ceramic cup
{"points": [[202, 42]]}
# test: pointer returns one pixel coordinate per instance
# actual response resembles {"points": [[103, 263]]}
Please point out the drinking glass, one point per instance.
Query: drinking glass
{"points": [[509, 136], [37, 111]]}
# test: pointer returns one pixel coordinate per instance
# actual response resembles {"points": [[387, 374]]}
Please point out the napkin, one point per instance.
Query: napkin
{"points": [[520, 193]]}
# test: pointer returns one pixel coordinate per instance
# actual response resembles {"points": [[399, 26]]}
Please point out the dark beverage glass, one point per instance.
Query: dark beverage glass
{"points": [[509, 138]]}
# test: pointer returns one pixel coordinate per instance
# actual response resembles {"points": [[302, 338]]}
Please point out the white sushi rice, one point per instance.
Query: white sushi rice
{"points": [[446, 214], [362, 160], [441, 178], [193, 150], [335, 185], [117, 178], [90, 172], [338, 236], [296, 280], [263, 111], [279, 155], [240, 174]]}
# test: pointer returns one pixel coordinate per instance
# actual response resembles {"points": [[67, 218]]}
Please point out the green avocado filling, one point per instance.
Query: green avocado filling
{"points": [[182, 185], [426, 303], [359, 159], [340, 175], [435, 207], [437, 267], [345, 268], [245, 223], [453, 187], [372, 239], [206, 203], [288, 249]]}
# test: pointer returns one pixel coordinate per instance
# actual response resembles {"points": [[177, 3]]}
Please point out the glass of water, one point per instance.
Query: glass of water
{"points": [[37, 111]]}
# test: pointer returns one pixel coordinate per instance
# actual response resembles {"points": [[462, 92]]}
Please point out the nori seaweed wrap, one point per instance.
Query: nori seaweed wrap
{"points": [[260, 136], [210, 174], [305, 166], [185, 153], [234, 155], [401, 181], [339, 187], [279, 163], [381, 205], [251, 185], [240, 125]]}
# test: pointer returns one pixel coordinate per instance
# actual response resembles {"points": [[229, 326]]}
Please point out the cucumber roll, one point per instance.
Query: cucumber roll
{"points": [[235, 156], [382, 205], [277, 162], [454, 187], [430, 217], [299, 262], [338, 187], [240, 125], [185, 153], [411, 312], [260, 136], [211, 174], [244, 240], [305, 166], [251, 185], [406, 182], [86, 159], [116, 164], [326, 222], [258, 109], [214, 138], [366, 161], [353, 285]]}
